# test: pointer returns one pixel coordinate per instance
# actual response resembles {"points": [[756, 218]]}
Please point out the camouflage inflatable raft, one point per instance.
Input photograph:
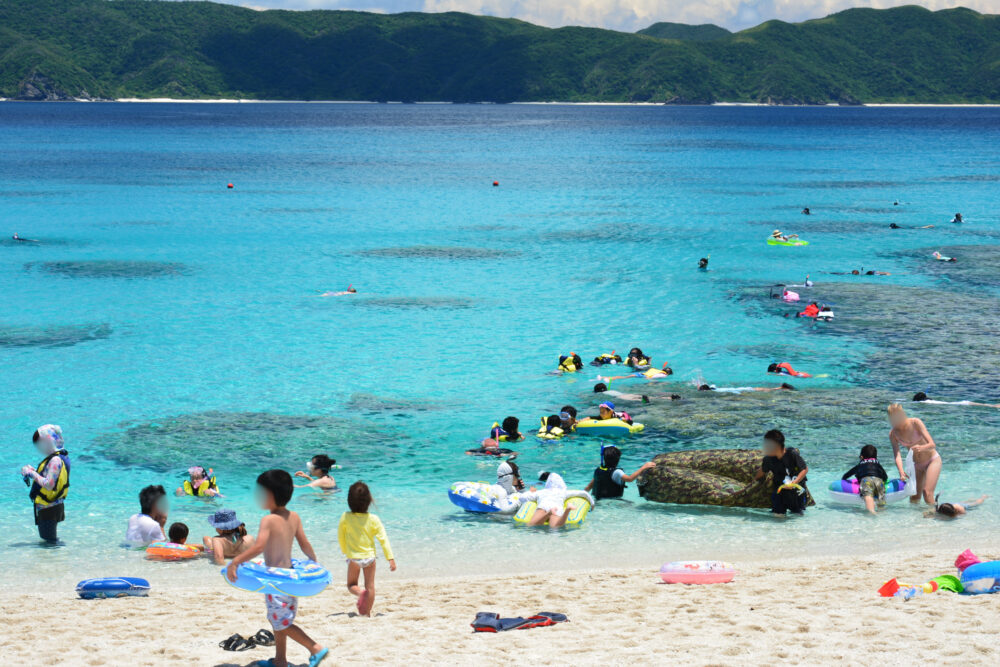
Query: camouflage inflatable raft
{"points": [[721, 477]]}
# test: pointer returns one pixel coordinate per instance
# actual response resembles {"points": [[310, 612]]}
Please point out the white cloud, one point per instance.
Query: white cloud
{"points": [[628, 15], [631, 15]]}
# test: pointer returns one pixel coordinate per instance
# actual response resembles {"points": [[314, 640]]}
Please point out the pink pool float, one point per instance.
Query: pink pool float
{"points": [[697, 572]]}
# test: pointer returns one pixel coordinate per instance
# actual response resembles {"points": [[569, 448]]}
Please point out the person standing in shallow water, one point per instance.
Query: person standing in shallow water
{"points": [[49, 481], [911, 433]]}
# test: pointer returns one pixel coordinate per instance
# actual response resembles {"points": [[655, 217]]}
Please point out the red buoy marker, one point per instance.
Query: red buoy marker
{"points": [[229, 185], [496, 183]]}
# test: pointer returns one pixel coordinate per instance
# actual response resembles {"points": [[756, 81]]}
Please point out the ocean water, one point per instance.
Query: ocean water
{"points": [[164, 320]]}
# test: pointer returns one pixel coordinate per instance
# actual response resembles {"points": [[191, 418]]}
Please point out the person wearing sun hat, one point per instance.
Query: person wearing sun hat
{"points": [[231, 538], [48, 481]]}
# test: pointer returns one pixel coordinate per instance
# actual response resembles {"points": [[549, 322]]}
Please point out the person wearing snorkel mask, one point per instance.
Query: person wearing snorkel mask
{"points": [[509, 477], [318, 474], [49, 481]]}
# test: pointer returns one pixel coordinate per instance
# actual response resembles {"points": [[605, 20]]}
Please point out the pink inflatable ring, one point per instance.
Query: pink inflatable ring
{"points": [[697, 572]]}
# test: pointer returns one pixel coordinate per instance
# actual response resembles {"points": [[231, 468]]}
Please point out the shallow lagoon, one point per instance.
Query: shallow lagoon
{"points": [[166, 321]]}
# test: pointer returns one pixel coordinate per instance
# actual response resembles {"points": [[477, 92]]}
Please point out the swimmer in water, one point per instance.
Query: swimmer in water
{"points": [[954, 510], [921, 397], [941, 258], [703, 263], [776, 234], [24, 240], [601, 388], [877, 273], [806, 211], [350, 290], [739, 390], [958, 218], [808, 282], [784, 368], [651, 374], [893, 225]]}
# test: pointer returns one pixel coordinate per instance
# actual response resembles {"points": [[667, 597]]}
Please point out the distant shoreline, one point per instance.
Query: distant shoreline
{"points": [[168, 100]]}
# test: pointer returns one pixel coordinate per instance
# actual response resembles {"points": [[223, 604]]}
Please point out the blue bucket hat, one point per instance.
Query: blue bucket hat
{"points": [[224, 520]]}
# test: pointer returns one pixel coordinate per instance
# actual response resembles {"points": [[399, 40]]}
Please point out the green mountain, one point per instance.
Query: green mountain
{"points": [[685, 33], [52, 49]]}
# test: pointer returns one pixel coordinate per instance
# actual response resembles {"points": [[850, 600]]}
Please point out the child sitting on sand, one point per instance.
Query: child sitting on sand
{"points": [[871, 478], [788, 470], [357, 534], [277, 532], [231, 538], [319, 473]]}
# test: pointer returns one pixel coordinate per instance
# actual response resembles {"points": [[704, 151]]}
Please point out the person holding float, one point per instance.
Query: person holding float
{"points": [[48, 481]]}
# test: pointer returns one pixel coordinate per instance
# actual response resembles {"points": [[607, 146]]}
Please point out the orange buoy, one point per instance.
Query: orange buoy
{"points": [[496, 183], [229, 185]]}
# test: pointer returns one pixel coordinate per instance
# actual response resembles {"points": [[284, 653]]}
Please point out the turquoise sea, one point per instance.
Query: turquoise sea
{"points": [[164, 320]]}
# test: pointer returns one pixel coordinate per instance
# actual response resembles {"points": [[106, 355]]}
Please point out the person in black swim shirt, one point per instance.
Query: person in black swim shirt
{"points": [[609, 480], [786, 466]]}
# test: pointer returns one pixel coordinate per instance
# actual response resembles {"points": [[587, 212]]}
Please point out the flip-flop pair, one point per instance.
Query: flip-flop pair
{"points": [[239, 643]]}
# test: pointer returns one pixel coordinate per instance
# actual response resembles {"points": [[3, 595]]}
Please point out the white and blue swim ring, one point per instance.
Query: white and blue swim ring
{"points": [[303, 579], [112, 587], [483, 498]]}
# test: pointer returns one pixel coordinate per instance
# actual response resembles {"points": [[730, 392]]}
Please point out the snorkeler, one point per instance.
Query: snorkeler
{"points": [[808, 282], [954, 510], [739, 390], [350, 290], [806, 211], [958, 218], [24, 240], [636, 359], [601, 388], [650, 374], [784, 368], [893, 225], [921, 397], [703, 263], [941, 258]]}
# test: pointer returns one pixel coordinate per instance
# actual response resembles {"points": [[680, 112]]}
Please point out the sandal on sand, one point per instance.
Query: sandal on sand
{"points": [[318, 657], [237, 643], [263, 638]]}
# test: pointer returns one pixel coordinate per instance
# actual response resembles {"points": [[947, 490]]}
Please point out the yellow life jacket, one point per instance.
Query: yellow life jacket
{"points": [[42, 496], [568, 364], [202, 489], [553, 433], [500, 434]]}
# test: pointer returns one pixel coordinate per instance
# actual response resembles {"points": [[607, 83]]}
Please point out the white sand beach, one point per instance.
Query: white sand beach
{"points": [[823, 611]]}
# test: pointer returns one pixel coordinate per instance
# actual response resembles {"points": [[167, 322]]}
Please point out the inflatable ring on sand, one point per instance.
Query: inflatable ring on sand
{"points": [[697, 572]]}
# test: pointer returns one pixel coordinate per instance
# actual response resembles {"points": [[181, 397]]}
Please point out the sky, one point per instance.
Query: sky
{"points": [[626, 15]]}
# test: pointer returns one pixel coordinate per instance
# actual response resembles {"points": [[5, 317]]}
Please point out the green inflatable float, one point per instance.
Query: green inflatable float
{"points": [[721, 477]]}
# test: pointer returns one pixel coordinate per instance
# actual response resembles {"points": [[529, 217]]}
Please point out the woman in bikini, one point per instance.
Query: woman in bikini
{"points": [[911, 433]]}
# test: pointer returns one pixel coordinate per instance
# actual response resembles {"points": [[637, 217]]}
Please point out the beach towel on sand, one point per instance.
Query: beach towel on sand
{"points": [[487, 621]]}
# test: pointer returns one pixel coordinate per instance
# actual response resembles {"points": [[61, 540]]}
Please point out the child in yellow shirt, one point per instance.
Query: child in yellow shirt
{"points": [[357, 534]]}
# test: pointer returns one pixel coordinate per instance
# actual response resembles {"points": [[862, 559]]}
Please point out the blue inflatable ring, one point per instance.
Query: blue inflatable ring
{"points": [[112, 587], [304, 579], [981, 578]]}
